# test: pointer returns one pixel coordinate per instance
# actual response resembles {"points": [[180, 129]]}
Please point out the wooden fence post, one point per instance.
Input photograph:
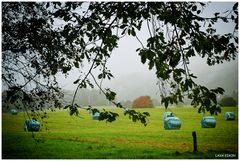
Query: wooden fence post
{"points": [[194, 135]]}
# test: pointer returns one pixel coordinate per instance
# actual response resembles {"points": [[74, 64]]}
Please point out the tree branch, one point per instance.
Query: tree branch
{"points": [[93, 63]]}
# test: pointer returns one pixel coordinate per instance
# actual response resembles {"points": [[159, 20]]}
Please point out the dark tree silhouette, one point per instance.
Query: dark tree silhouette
{"points": [[41, 39], [228, 101]]}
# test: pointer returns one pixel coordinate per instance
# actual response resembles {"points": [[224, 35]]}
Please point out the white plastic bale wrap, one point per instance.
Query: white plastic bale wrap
{"points": [[208, 122], [95, 116], [31, 125], [229, 116], [14, 111], [172, 123]]}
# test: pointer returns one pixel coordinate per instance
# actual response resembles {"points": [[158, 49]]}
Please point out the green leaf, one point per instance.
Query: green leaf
{"points": [[76, 64], [65, 69], [100, 76], [133, 32], [174, 60], [129, 32], [146, 113], [193, 76], [216, 14], [110, 95], [47, 4], [166, 103], [190, 53], [76, 81], [213, 97], [151, 64], [220, 90], [67, 106], [89, 27], [235, 6]]}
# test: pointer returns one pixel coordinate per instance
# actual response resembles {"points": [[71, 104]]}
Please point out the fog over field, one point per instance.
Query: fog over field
{"points": [[133, 79]]}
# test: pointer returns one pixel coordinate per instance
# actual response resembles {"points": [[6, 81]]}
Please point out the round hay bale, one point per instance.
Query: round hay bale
{"points": [[125, 110], [172, 123], [14, 111], [208, 122], [95, 116], [229, 116], [31, 125]]}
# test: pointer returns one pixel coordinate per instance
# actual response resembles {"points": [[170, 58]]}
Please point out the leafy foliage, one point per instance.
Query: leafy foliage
{"points": [[136, 116], [42, 39]]}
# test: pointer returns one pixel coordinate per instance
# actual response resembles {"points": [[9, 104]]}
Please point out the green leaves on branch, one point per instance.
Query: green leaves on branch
{"points": [[202, 97], [73, 109], [206, 99], [110, 95], [174, 59], [108, 116], [93, 34], [137, 116], [105, 74]]}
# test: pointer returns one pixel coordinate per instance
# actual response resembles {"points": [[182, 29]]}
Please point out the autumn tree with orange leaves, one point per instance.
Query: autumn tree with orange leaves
{"points": [[142, 102]]}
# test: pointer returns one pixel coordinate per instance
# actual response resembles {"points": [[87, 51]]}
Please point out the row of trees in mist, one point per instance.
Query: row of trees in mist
{"points": [[94, 97], [88, 97]]}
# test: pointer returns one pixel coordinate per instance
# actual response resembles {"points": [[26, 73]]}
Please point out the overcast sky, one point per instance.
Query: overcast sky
{"points": [[131, 75]]}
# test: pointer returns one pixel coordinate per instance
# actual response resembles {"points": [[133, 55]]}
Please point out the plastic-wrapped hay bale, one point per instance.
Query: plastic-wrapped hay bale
{"points": [[14, 111], [171, 123], [125, 110], [31, 125], [167, 114], [208, 122], [95, 116], [229, 116]]}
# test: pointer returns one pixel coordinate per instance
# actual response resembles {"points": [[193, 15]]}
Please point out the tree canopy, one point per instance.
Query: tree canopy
{"points": [[142, 102], [41, 39]]}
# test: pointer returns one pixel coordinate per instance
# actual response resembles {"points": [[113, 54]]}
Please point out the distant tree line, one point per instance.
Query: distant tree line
{"points": [[228, 101], [86, 97]]}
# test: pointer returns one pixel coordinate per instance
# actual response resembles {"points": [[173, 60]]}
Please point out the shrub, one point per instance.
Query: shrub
{"points": [[228, 101], [142, 102]]}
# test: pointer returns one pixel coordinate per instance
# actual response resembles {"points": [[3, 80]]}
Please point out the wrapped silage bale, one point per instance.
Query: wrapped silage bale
{"points": [[125, 110], [31, 125], [208, 122], [14, 111], [95, 115], [171, 123], [229, 116]]}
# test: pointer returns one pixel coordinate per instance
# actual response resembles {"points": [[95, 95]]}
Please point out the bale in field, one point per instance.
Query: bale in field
{"points": [[31, 125], [208, 122], [229, 116], [95, 116], [172, 123], [125, 110], [14, 111]]}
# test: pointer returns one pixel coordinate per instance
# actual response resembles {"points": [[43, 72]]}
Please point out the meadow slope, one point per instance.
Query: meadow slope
{"points": [[83, 138]]}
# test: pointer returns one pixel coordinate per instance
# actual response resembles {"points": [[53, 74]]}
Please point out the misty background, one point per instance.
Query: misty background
{"points": [[133, 79]]}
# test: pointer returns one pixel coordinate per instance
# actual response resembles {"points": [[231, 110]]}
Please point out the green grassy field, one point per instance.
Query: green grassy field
{"points": [[82, 138]]}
